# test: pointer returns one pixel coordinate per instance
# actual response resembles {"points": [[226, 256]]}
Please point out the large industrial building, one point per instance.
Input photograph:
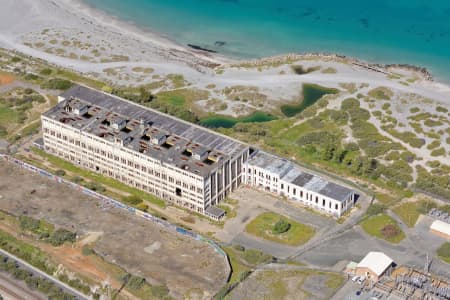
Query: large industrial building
{"points": [[177, 161]]}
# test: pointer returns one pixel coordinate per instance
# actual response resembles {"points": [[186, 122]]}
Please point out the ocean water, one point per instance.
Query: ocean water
{"points": [[383, 31]]}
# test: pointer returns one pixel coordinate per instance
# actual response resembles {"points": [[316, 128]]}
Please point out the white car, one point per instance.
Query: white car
{"points": [[354, 279], [361, 279]]}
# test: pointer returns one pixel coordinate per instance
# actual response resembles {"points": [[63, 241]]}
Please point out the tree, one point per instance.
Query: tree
{"points": [[281, 226]]}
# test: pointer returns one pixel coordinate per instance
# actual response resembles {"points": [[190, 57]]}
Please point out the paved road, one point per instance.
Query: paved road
{"points": [[40, 273]]}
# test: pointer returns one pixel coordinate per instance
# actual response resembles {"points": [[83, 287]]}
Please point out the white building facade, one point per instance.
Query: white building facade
{"points": [[282, 177]]}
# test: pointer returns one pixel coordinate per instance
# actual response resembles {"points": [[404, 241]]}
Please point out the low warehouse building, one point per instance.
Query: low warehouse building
{"points": [[374, 265], [441, 228]]}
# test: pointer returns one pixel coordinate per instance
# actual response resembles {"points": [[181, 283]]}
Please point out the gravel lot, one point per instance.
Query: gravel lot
{"points": [[186, 266]]}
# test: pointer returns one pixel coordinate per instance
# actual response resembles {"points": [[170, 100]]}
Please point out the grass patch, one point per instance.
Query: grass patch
{"points": [[375, 225], [408, 212], [262, 227], [444, 252]]}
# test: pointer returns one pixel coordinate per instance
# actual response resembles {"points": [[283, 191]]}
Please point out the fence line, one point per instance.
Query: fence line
{"points": [[117, 204]]}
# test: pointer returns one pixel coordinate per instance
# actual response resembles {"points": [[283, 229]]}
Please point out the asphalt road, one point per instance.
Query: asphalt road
{"points": [[40, 273]]}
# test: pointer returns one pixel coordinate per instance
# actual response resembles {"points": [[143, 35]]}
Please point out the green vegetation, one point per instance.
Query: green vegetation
{"points": [[409, 212], [281, 227], [228, 122], [444, 252], [414, 110], [407, 137], [46, 232], [262, 226], [237, 266], [375, 209], [311, 94], [435, 183], [383, 227], [14, 111], [441, 109], [41, 284], [438, 152], [300, 70], [381, 93], [57, 84], [432, 123], [139, 287], [97, 179], [329, 70]]}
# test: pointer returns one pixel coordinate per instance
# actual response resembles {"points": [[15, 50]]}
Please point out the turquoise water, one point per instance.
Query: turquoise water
{"points": [[386, 31]]}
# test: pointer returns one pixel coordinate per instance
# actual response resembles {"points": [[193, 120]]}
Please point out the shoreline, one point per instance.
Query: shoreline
{"points": [[163, 50], [145, 33]]}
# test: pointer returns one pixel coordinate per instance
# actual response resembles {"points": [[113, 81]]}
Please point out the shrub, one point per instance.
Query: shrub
{"points": [[95, 187], [60, 236], [144, 207], [60, 172], [381, 93], [160, 291], [281, 226], [77, 179], [31, 76], [441, 109], [135, 282], [300, 70], [29, 223], [132, 200]]}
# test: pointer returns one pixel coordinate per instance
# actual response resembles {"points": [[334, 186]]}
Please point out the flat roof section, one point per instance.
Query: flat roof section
{"points": [[184, 129], [377, 262], [215, 211], [292, 173], [271, 163]]}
